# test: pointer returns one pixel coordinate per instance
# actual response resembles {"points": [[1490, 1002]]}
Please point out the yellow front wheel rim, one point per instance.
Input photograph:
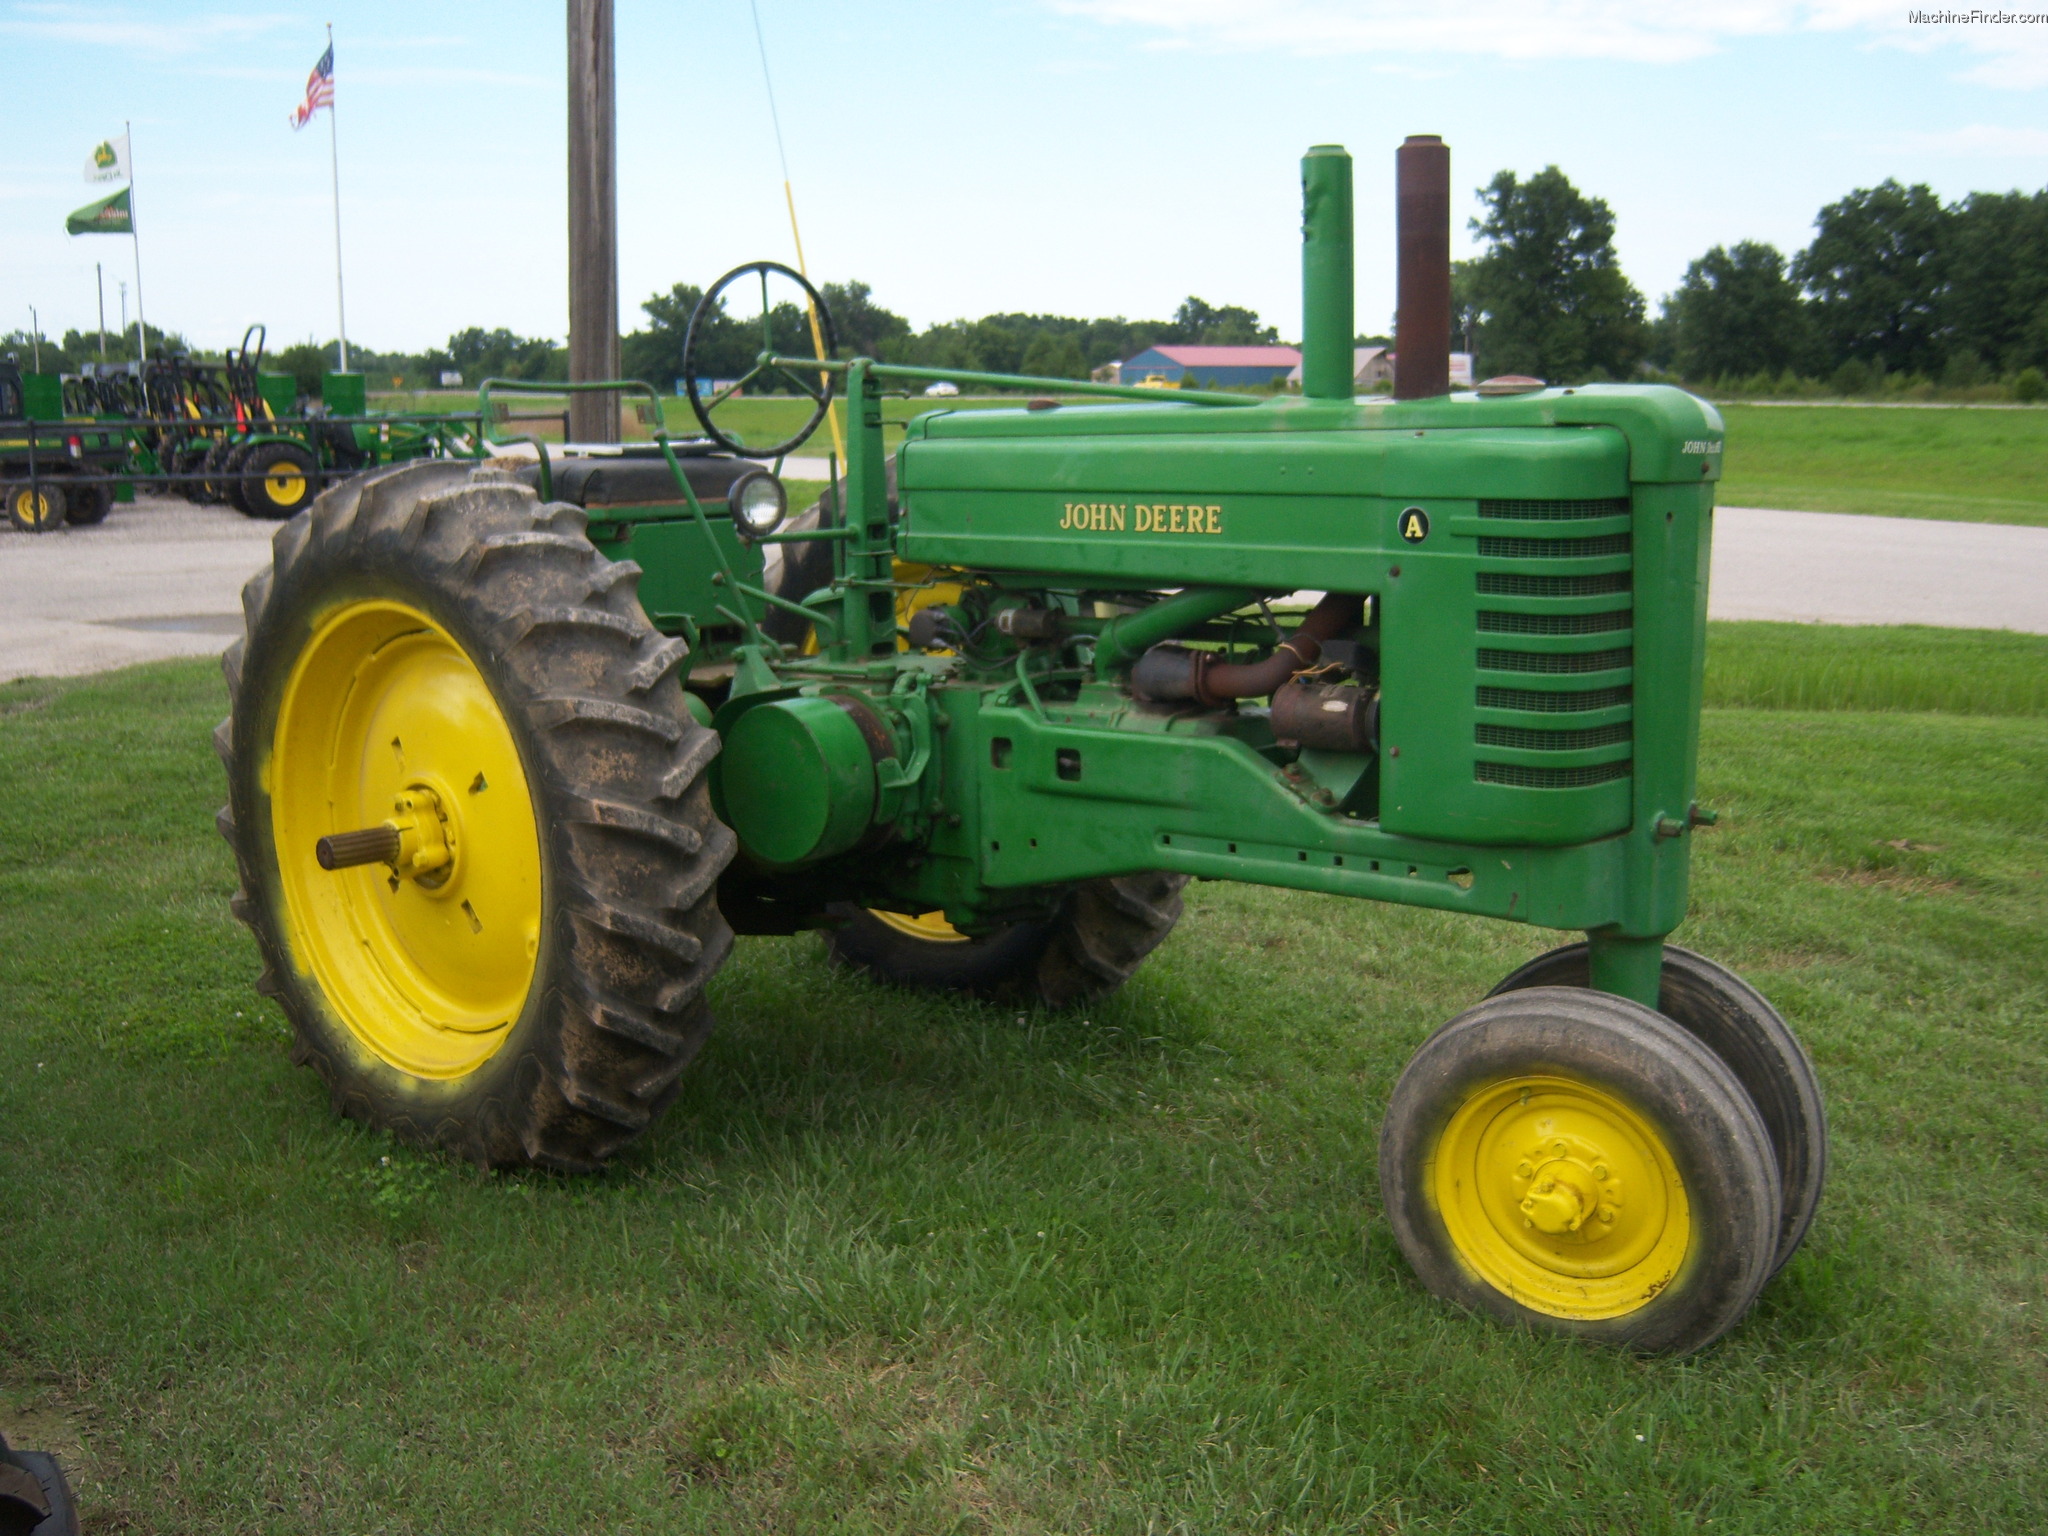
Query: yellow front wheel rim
{"points": [[284, 484], [32, 507], [385, 716], [931, 927], [1562, 1197]]}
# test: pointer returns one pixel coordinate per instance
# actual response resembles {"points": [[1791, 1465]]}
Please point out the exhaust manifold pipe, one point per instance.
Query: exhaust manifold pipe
{"points": [[1168, 673]]}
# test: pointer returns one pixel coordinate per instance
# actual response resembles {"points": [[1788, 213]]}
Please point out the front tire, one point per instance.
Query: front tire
{"points": [[35, 508], [1089, 948], [434, 648], [1732, 1019], [1573, 1162], [277, 480]]}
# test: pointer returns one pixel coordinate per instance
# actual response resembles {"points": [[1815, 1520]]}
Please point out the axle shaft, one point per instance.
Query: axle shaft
{"points": [[371, 845]]}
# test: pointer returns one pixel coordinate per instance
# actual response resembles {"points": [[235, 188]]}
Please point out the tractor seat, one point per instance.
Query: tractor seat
{"points": [[606, 481]]}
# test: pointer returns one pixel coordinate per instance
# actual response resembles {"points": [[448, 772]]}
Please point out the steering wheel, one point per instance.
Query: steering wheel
{"points": [[708, 314]]}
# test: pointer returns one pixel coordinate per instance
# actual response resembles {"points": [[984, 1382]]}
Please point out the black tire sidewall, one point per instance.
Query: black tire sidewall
{"points": [[985, 966], [1716, 1141], [255, 468]]}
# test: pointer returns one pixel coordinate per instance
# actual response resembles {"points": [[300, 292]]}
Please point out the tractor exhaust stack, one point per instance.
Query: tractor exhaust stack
{"points": [[1326, 285], [1422, 323]]}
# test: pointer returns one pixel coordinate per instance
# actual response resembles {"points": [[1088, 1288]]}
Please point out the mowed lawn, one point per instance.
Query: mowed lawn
{"points": [[909, 1264], [1955, 463]]}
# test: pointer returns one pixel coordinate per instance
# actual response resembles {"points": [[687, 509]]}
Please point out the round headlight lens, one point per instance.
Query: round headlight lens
{"points": [[758, 504]]}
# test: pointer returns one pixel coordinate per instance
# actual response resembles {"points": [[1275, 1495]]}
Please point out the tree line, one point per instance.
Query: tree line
{"points": [[1897, 290]]}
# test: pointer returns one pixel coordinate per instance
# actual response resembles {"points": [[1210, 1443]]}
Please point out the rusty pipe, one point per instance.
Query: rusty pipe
{"points": [[1169, 672], [1422, 218]]}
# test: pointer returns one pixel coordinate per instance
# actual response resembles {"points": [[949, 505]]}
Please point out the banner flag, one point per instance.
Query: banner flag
{"points": [[108, 160], [319, 90], [108, 216]]}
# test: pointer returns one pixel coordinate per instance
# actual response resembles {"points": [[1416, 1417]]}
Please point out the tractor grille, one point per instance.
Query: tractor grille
{"points": [[1508, 584], [1551, 778], [1533, 700], [1567, 624], [1554, 511]]}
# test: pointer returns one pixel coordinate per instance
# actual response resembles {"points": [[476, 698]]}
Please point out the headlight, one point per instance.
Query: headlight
{"points": [[758, 504]]}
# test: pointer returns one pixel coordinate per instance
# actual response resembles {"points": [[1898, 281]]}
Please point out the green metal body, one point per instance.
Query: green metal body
{"points": [[1536, 568]]}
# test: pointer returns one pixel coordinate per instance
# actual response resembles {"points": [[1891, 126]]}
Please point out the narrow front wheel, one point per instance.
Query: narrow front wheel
{"points": [[1573, 1162]]}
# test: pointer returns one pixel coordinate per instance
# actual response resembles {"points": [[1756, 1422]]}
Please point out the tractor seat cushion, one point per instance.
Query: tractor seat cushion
{"points": [[637, 482]]}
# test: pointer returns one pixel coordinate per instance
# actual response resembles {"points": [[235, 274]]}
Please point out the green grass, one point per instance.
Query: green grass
{"points": [[1756, 665], [899, 1263], [1958, 465]]}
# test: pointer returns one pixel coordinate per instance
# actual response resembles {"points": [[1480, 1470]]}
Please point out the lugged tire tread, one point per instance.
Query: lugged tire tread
{"points": [[592, 1066]]}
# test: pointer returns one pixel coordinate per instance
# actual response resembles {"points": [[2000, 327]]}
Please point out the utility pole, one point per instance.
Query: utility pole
{"points": [[593, 222], [99, 281], [35, 338]]}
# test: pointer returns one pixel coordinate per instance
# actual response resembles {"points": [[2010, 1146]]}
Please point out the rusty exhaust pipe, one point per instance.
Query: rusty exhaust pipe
{"points": [[1170, 672], [1422, 215]]}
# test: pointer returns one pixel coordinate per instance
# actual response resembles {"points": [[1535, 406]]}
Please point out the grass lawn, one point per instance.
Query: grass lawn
{"points": [[1959, 465], [900, 1263]]}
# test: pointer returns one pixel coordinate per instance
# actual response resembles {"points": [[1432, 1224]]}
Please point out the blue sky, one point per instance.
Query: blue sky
{"points": [[1078, 156]]}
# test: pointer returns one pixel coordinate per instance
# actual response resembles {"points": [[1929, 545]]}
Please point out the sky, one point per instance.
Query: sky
{"points": [[1085, 157]]}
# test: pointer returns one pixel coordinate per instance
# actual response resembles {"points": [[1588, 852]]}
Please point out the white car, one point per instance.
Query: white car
{"points": [[942, 389]]}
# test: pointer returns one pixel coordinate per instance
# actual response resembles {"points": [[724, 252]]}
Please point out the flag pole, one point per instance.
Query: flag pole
{"points": [[134, 234], [334, 164], [99, 281]]}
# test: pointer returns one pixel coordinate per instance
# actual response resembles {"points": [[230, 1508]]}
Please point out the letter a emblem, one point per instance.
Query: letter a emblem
{"points": [[1415, 525]]}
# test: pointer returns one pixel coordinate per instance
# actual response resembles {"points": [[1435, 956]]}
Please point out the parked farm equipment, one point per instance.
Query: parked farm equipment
{"points": [[210, 432], [516, 749]]}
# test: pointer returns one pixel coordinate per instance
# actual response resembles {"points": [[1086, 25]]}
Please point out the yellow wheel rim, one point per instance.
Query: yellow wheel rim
{"points": [[932, 927], [1561, 1196], [32, 507], [386, 718], [284, 484]]}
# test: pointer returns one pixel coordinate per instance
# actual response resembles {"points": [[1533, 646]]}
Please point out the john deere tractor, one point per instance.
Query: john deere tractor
{"points": [[517, 748]]}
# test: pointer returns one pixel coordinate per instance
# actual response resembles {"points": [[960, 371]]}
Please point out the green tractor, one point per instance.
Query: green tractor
{"points": [[57, 465], [516, 749]]}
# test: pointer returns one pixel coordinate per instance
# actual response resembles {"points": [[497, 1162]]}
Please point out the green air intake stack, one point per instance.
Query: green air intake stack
{"points": [[1326, 320]]}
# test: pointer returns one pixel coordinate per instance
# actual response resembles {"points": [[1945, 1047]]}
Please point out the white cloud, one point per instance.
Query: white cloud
{"points": [[103, 27], [1629, 31]]}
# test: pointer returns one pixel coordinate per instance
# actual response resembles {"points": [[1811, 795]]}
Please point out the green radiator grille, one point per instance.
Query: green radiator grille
{"points": [[1512, 584], [1553, 549], [1562, 640], [1554, 511], [1555, 623], [1538, 702], [1551, 778]]}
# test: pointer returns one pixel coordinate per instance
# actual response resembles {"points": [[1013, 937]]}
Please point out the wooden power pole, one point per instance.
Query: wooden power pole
{"points": [[593, 221]]}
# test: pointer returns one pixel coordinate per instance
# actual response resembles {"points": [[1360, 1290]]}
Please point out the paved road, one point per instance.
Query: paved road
{"points": [[162, 578]]}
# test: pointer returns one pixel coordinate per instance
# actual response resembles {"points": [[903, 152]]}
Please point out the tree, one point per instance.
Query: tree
{"points": [[1549, 294], [1995, 304], [1197, 323], [864, 328], [480, 354], [1737, 313], [1876, 273]]}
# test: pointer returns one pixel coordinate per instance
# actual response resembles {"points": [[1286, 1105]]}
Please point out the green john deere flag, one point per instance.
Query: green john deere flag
{"points": [[108, 216]]}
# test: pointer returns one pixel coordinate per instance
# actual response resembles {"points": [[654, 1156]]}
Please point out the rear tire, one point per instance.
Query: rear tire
{"points": [[89, 503], [1102, 932], [1573, 1162], [36, 508], [1732, 1019], [531, 655], [278, 480]]}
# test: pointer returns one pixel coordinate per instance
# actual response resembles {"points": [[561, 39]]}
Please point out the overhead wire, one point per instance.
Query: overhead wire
{"points": [[796, 234]]}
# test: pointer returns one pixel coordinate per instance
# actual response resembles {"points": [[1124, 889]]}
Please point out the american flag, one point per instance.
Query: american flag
{"points": [[319, 90]]}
